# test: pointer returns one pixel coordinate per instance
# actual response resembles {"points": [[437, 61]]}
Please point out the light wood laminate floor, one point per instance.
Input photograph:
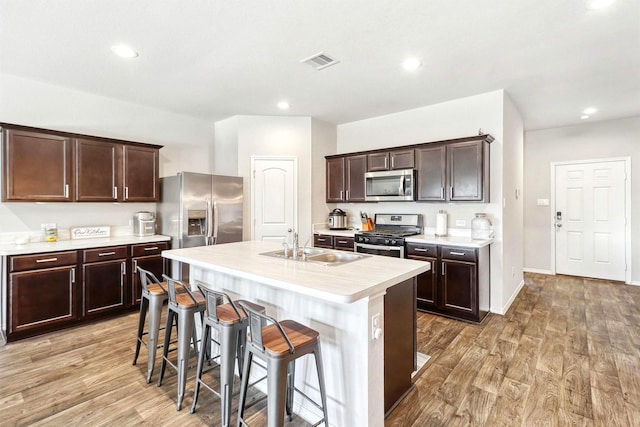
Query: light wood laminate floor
{"points": [[566, 353]]}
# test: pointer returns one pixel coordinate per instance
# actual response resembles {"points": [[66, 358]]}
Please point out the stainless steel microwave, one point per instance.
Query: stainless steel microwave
{"points": [[390, 186]]}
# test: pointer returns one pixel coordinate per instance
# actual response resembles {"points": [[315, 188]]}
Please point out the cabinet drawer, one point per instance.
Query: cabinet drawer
{"points": [[104, 254], [322, 241], [148, 249], [343, 243], [39, 261], [422, 250], [459, 254]]}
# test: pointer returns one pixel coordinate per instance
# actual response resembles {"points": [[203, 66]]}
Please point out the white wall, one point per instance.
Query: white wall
{"points": [[271, 136], [512, 213], [225, 148], [323, 143], [458, 118], [26, 102], [591, 140]]}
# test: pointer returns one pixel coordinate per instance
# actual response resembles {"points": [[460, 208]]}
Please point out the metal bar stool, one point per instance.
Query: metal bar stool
{"points": [[280, 344], [154, 294], [231, 324], [183, 306]]}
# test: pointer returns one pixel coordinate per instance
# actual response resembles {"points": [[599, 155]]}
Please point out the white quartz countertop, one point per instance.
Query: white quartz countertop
{"points": [[69, 245], [340, 233], [344, 283], [461, 241]]}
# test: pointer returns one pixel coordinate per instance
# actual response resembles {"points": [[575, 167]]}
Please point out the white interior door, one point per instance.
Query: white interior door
{"points": [[274, 198], [590, 219]]}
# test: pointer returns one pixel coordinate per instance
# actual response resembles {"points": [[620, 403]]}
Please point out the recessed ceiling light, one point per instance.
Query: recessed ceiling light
{"points": [[585, 116], [124, 51], [283, 105], [589, 111], [598, 4], [411, 64]]}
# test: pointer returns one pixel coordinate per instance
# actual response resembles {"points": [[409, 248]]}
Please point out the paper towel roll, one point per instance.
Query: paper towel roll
{"points": [[441, 224]]}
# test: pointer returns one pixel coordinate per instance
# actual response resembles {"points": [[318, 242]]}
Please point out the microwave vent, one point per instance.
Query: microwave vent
{"points": [[320, 61]]}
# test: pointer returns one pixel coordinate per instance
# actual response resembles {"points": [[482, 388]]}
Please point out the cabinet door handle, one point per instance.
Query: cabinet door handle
{"points": [[123, 268], [115, 192], [66, 190], [451, 193], [46, 260], [457, 253], [340, 194], [153, 248], [344, 242], [322, 240], [443, 270], [420, 249], [135, 266], [385, 162], [72, 276], [393, 162], [106, 253], [347, 198], [126, 193], [442, 193]]}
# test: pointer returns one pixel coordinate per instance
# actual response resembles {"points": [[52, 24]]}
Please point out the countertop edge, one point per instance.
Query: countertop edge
{"points": [[297, 288], [67, 245]]}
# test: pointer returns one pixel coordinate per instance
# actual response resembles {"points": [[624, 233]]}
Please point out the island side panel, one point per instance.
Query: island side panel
{"points": [[353, 360]]}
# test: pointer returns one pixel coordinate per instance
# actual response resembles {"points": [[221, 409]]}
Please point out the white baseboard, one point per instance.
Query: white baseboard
{"points": [[634, 283], [538, 271], [503, 310]]}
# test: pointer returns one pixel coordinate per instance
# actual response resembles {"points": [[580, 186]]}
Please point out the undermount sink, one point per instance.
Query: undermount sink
{"points": [[322, 256]]}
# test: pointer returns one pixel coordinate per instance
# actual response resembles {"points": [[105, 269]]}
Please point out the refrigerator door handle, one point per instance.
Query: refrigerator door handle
{"points": [[215, 222], [208, 224]]}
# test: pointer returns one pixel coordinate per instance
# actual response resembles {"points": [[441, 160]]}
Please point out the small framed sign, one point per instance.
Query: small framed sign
{"points": [[90, 232]]}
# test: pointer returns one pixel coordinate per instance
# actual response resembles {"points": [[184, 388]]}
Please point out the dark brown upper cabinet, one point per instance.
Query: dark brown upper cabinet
{"points": [[390, 160], [468, 170], [431, 173], [97, 171], [140, 181], [36, 167], [345, 178], [454, 172], [50, 166]]}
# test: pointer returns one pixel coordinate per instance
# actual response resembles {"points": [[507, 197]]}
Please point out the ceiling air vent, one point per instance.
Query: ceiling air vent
{"points": [[320, 61]]}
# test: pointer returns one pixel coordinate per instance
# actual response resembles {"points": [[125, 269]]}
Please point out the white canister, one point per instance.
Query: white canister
{"points": [[441, 224], [481, 227]]}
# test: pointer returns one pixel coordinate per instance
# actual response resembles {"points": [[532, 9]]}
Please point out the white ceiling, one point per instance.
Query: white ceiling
{"points": [[213, 59]]}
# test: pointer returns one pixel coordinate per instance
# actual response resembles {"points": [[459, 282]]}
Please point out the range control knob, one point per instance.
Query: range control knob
{"points": [[366, 240], [386, 241], [394, 242]]}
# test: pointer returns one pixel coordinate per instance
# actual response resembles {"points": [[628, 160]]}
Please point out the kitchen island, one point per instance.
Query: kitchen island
{"points": [[344, 303]]}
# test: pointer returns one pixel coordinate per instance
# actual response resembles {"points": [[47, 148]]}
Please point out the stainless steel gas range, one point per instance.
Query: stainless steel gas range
{"points": [[387, 236]]}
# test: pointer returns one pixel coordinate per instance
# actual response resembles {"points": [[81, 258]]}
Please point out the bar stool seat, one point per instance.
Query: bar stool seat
{"points": [[280, 344], [182, 306], [231, 324], [154, 294]]}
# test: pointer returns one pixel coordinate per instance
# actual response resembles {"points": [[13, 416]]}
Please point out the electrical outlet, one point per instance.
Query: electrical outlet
{"points": [[461, 223], [376, 327]]}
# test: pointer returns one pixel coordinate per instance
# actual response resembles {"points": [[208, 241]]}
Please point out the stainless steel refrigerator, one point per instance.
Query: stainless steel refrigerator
{"points": [[200, 209]]}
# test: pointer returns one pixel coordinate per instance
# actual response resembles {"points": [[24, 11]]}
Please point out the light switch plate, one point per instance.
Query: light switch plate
{"points": [[542, 202]]}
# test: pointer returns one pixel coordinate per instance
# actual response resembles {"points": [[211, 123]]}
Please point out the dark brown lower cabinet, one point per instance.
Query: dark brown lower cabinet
{"points": [[333, 242], [56, 290], [458, 284], [148, 257], [42, 293], [104, 277]]}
